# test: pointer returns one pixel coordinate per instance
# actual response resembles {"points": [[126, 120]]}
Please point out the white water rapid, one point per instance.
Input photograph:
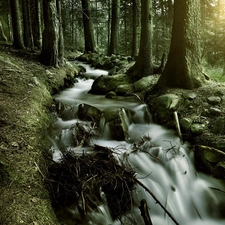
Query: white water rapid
{"points": [[165, 166]]}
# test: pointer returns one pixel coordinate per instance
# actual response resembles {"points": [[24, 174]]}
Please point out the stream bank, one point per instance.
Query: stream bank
{"points": [[26, 87]]}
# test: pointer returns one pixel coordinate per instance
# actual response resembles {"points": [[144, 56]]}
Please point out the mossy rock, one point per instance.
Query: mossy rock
{"points": [[104, 84]]}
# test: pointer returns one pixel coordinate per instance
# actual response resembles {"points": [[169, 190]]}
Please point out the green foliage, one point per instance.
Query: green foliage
{"points": [[215, 72], [213, 32]]}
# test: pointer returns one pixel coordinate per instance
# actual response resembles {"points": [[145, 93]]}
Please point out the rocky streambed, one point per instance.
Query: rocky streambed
{"points": [[201, 112]]}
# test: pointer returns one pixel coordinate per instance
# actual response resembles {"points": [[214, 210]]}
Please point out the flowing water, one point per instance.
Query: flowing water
{"points": [[164, 165]]}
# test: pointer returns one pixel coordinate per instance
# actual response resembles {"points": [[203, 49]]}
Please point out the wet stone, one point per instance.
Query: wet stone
{"points": [[197, 128], [110, 95], [214, 100], [185, 123], [215, 111], [190, 96]]}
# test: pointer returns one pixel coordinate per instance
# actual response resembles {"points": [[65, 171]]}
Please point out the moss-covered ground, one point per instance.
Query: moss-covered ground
{"points": [[25, 114]]}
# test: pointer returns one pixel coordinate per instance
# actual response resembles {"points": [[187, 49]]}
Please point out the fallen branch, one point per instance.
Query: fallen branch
{"points": [[144, 212], [39, 170], [157, 201], [177, 124]]}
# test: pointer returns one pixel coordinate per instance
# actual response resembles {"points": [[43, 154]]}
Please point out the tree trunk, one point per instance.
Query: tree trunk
{"points": [[183, 68], [114, 27], [61, 38], [90, 45], [36, 19], [134, 52], [16, 24], [72, 23], [50, 53], [27, 29], [2, 33], [109, 22], [144, 66]]}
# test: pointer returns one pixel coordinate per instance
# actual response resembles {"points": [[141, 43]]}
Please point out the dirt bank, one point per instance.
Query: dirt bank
{"points": [[25, 114]]}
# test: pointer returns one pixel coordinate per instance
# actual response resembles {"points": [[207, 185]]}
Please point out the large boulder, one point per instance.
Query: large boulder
{"points": [[162, 107], [210, 160], [104, 84], [145, 82], [88, 113], [124, 89], [117, 121]]}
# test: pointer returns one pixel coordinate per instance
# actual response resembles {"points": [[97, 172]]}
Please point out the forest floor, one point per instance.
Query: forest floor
{"points": [[25, 115]]}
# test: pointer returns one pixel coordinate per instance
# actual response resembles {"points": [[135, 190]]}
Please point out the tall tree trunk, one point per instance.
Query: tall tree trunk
{"points": [[144, 66], [109, 22], [2, 33], [36, 21], [27, 28], [61, 38], [125, 46], [114, 27], [72, 23], [134, 52], [50, 53], [183, 68], [16, 24], [90, 45]]}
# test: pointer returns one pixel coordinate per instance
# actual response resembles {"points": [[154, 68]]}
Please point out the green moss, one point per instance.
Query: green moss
{"points": [[25, 114]]}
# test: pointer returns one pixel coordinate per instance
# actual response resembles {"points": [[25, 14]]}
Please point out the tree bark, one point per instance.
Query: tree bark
{"points": [[16, 24], [113, 47], [2, 33], [61, 37], [183, 68], [27, 28], [90, 45], [134, 52], [144, 66], [36, 21], [50, 53]]}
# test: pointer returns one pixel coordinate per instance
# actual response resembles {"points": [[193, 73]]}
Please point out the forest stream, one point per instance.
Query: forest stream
{"points": [[162, 163]]}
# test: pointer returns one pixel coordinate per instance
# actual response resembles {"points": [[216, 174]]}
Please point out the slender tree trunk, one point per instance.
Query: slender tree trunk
{"points": [[50, 53], [90, 45], [2, 33], [125, 47], [72, 23], [114, 27], [144, 66], [36, 21], [10, 32], [183, 68], [16, 24], [27, 28], [134, 52], [109, 22], [61, 38]]}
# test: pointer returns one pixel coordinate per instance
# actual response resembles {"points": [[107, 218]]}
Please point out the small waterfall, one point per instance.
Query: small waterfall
{"points": [[161, 161]]}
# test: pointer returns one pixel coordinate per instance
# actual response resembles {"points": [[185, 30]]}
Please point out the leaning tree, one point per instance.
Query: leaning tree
{"points": [[183, 68]]}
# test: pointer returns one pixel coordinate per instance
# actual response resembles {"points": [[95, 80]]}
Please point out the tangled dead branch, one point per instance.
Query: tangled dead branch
{"points": [[80, 180]]}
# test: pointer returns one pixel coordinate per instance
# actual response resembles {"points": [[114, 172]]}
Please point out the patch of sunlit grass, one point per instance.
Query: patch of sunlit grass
{"points": [[215, 73]]}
